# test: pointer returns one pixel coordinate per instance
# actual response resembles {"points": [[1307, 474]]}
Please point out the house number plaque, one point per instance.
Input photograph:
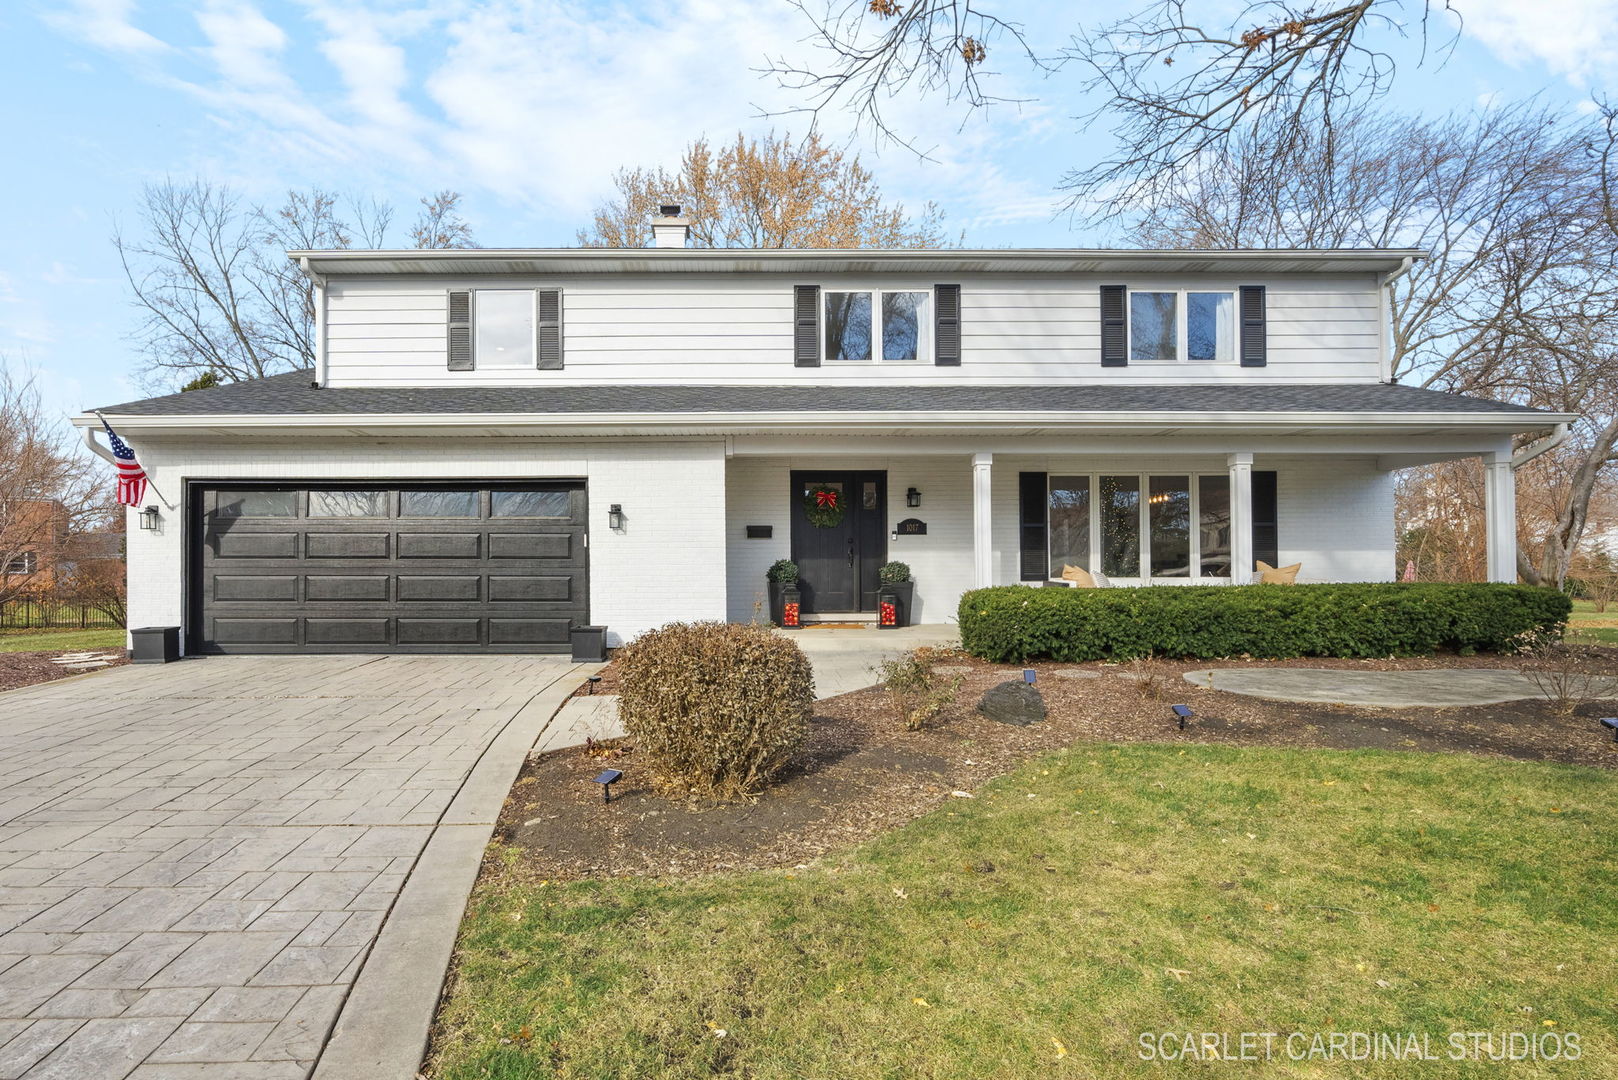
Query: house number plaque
{"points": [[912, 527]]}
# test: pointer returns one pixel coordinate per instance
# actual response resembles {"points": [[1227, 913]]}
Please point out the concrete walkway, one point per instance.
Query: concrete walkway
{"points": [[201, 863], [1433, 687]]}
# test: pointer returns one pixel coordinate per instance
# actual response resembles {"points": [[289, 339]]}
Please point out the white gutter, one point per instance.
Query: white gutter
{"points": [[319, 282], [1385, 312], [90, 440], [1533, 450]]}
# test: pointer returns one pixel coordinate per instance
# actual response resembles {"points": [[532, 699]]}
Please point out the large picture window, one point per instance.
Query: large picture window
{"points": [[1180, 326], [1168, 527], [886, 326]]}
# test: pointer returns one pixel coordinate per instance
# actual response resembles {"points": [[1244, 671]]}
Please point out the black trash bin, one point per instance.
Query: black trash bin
{"points": [[589, 644], [154, 644]]}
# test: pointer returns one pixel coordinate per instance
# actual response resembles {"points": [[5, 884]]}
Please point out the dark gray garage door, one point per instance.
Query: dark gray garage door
{"points": [[368, 568]]}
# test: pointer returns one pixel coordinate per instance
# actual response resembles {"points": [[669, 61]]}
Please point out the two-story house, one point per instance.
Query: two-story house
{"points": [[496, 445]]}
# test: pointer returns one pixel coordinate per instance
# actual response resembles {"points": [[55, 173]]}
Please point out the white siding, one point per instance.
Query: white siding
{"points": [[737, 329], [667, 563]]}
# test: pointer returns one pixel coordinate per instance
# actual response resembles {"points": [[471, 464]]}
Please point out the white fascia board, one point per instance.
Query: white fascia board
{"points": [[797, 421]]}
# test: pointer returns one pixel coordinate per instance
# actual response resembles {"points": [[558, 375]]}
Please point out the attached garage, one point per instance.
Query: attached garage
{"points": [[355, 568]]}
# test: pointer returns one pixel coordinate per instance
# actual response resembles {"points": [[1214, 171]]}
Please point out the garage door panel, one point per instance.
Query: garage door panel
{"points": [[439, 631], [340, 545], [269, 578], [247, 544], [346, 588], [413, 545], [324, 631], [243, 587], [228, 631], [430, 588]]}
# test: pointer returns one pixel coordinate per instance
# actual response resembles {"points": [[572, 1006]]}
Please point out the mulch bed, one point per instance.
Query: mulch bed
{"points": [[19, 669], [859, 773]]}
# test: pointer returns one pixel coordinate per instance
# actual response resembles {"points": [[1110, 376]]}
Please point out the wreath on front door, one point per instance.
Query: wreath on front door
{"points": [[823, 506]]}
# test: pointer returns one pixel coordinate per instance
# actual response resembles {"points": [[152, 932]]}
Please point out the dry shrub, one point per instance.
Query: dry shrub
{"points": [[916, 691], [715, 708], [1151, 677], [1562, 674]]}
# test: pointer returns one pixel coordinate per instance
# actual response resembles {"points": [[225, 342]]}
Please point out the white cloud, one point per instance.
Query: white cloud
{"points": [[105, 24], [1576, 39]]}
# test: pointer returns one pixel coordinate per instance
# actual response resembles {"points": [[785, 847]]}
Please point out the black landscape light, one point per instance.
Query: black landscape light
{"points": [[592, 680], [1611, 722], [1183, 712], [607, 778]]}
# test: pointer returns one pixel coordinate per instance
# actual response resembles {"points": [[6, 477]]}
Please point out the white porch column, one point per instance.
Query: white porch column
{"points": [[1500, 513], [1241, 518], [982, 522]]}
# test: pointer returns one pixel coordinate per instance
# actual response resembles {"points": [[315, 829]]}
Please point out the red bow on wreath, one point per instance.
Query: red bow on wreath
{"points": [[827, 499]]}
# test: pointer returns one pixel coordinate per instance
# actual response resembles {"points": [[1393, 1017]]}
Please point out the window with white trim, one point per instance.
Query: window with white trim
{"points": [[1169, 326], [503, 322], [888, 326], [1174, 526], [23, 563]]}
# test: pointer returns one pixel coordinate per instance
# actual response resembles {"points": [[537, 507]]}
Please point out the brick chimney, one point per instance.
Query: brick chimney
{"points": [[669, 228]]}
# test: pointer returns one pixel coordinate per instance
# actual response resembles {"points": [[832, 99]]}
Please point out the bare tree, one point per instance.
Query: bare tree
{"points": [[48, 489], [1175, 87], [774, 192], [440, 225]]}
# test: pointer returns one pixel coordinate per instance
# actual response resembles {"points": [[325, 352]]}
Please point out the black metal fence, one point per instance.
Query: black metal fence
{"points": [[82, 614]]}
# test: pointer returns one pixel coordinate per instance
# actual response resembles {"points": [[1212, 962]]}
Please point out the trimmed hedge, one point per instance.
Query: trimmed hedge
{"points": [[1015, 623]]}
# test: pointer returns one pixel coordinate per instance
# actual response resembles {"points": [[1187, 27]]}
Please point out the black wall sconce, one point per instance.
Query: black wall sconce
{"points": [[912, 497], [149, 519], [615, 517]]}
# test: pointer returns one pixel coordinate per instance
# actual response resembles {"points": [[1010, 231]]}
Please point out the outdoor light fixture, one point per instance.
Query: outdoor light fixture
{"points": [[912, 497], [1028, 676], [592, 680], [1611, 722], [607, 778], [615, 517], [149, 519], [1183, 712]]}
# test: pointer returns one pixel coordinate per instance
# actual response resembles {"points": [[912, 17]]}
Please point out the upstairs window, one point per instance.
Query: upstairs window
{"points": [[877, 325], [1181, 326], [504, 320]]}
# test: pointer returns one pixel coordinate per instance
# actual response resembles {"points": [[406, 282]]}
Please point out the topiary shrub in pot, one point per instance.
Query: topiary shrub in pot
{"points": [[783, 578], [894, 579], [716, 709]]}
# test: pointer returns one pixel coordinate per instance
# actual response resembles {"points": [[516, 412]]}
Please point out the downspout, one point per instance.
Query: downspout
{"points": [[96, 448], [319, 282], [1385, 303], [1556, 438]]}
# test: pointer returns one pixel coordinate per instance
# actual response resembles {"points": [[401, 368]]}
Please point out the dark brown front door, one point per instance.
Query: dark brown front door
{"points": [[837, 565]]}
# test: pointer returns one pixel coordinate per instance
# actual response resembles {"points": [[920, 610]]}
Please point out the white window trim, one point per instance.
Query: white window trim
{"points": [[924, 356], [30, 564], [533, 327], [1182, 317], [1142, 524]]}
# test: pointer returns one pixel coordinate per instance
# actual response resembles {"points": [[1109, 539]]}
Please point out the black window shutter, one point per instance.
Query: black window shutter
{"points": [[1114, 327], [1031, 532], [947, 325], [1252, 315], [460, 331], [1266, 519], [550, 330], [806, 325]]}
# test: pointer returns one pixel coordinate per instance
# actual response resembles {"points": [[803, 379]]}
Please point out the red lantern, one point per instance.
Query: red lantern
{"points": [[789, 615]]}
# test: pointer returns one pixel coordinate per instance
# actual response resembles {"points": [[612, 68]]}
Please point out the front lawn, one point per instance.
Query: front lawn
{"points": [[60, 640], [1094, 894], [1590, 626]]}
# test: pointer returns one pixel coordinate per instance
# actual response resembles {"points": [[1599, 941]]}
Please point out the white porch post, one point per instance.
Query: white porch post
{"points": [[1500, 513], [982, 530], [1241, 518]]}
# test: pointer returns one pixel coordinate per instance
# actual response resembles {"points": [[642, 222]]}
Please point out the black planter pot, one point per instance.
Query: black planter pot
{"points": [[782, 593], [902, 594]]}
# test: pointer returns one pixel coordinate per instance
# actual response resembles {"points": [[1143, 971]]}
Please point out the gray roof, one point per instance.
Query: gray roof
{"points": [[292, 394]]}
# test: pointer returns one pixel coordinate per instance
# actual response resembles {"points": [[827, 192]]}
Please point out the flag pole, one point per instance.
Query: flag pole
{"points": [[161, 497]]}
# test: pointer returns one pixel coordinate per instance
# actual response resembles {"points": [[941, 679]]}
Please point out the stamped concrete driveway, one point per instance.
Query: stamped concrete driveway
{"points": [[196, 859]]}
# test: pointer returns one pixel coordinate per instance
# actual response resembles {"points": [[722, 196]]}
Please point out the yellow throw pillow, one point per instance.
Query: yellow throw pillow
{"points": [[1080, 577], [1278, 575]]}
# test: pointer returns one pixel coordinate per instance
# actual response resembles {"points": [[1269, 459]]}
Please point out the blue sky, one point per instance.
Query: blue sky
{"points": [[527, 107]]}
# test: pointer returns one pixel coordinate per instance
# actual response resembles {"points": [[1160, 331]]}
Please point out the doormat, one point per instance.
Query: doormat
{"points": [[837, 626]]}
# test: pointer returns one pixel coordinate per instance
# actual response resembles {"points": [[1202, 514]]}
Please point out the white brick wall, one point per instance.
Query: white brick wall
{"points": [[667, 563]]}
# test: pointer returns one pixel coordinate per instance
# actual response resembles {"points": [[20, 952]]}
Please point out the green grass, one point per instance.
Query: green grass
{"points": [[1286, 886], [65, 640], [1590, 626]]}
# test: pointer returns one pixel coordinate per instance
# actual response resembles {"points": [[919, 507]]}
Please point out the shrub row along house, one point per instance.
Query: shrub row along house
{"points": [[497, 445]]}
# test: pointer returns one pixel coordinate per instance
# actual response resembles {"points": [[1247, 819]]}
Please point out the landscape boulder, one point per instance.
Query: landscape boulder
{"points": [[1013, 702]]}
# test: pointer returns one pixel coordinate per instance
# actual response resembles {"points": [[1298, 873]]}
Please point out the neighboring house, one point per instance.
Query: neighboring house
{"points": [[33, 532], [499, 444]]}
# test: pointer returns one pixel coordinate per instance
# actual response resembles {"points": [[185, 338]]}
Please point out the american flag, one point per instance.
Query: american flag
{"points": [[131, 477]]}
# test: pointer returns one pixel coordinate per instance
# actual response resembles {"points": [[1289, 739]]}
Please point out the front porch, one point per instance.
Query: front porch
{"points": [[1142, 511]]}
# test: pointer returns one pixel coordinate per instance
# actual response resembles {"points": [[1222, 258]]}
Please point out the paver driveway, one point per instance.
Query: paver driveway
{"points": [[196, 858]]}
